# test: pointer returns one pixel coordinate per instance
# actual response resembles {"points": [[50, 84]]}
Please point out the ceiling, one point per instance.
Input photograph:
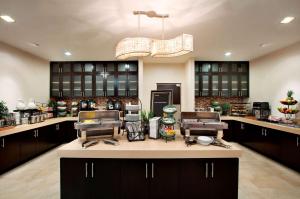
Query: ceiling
{"points": [[90, 29]]}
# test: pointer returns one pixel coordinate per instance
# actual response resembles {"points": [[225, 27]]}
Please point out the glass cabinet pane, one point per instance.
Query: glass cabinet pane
{"points": [[77, 67], [234, 67], [205, 85], [244, 85], [215, 85], [197, 68], [99, 85], [133, 67], [55, 67], [215, 67], [99, 67], [55, 86], [88, 85], [243, 68], [234, 85], [66, 67], [225, 86], [110, 89], [122, 67], [224, 68], [122, 80], [196, 85], [110, 67], [77, 85], [66, 85], [88, 67], [132, 85], [205, 68]]}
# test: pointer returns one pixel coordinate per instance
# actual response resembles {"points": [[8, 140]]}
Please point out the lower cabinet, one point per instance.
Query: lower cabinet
{"points": [[9, 152], [90, 178], [209, 178], [149, 178], [290, 150]]}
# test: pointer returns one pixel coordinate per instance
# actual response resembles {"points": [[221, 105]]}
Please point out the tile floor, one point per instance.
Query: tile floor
{"points": [[260, 178]]}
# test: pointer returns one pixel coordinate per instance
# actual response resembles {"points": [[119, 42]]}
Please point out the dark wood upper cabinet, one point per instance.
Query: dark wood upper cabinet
{"points": [[94, 79], [222, 79]]}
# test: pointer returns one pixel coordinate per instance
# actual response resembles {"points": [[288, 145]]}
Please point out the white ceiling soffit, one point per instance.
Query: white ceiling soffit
{"points": [[90, 29]]}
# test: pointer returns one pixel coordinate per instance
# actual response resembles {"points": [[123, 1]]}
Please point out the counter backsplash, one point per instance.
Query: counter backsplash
{"points": [[205, 102]]}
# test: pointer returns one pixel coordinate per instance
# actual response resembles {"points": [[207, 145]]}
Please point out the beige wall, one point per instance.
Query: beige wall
{"points": [[22, 76], [168, 73], [273, 75]]}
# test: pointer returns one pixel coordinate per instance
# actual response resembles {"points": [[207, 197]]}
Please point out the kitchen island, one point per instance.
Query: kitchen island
{"points": [[148, 169]]}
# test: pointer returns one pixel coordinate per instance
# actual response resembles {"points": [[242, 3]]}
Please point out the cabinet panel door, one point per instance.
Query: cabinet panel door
{"points": [[193, 179], [55, 67], [66, 67], [28, 145], [197, 84], [74, 179], [77, 87], [9, 152], [88, 85], [43, 139], [122, 85], [110, 85], [244, 86], [106, 178], [225, 85], [99, 85], [204, 81], [132, 85], [234, 85], [55, 85], [164, 174], [223, 177], [134, 180], [290, 150], [66, 85], [215, 85]]}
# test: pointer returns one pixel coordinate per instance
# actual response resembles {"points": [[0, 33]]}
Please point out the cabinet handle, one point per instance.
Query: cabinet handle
{"points": [[152, 172], [3, 143], [86, 170], [206, 170], [37, 133], [34, 133], [92, 170], [242, 126], [146, 170], [212, 170], [262, 132], [265, 132], [297, 141]]}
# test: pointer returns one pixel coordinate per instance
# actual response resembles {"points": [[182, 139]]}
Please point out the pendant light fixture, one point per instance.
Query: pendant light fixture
{"points": [[143, 46], [133, 46]]}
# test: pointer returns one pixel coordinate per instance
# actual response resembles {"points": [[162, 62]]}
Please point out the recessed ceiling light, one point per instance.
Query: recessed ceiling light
{"points": [[287, 19], [227, 54], [67, 53], [263, 45], [7, 18], [33, 44]]}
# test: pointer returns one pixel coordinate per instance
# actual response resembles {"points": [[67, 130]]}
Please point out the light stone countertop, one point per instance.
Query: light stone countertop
{"points": [[149, 148], [26, 127]]}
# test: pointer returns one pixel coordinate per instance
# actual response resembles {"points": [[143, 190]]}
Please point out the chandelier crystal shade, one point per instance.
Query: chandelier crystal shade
{"points": [[143, 46], [177, 46], [133, 47]]}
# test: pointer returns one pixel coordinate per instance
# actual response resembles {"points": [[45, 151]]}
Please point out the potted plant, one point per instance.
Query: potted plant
{"points": [[225, 108], [145, 120], [3, 112]]}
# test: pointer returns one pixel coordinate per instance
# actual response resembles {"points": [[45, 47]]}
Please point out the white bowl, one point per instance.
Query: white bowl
{"points": [[205, 140]]}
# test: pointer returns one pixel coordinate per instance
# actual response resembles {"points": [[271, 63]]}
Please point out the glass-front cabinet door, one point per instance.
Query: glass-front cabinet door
{"points": [[77, 86], [224, 85], [204, 88], [197, 84], [234, 85], [66, 85], [215, 85], [122, 85], [55, 85], [244, 86], [132, 85], [88, 86], [110, 85]]}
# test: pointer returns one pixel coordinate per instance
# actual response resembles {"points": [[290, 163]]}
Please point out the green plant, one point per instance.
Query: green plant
{"points": [[290, 95], [225, 107], [146, 116], [3, 109], [52, 103]]}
